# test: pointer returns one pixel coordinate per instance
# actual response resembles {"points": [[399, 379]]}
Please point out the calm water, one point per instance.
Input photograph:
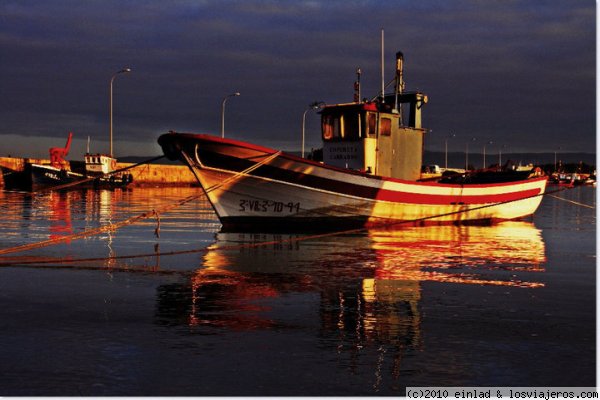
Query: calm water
{"points": [[361, 314]]}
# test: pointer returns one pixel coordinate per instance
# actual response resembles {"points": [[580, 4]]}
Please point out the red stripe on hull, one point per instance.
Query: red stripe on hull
{"points": [[418, 198]]}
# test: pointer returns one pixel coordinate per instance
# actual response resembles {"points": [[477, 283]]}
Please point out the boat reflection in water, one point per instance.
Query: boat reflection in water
{"points": [[363, 289], [467, 255]]}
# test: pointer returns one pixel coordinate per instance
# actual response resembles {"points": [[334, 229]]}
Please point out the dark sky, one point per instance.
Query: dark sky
{"points": [[521, 74]]}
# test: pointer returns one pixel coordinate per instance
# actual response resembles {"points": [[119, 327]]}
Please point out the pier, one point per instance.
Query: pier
{"points": [[147, 175]]}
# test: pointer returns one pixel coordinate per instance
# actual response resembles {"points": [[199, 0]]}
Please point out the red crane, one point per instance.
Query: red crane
{"points": [[58, 154]]}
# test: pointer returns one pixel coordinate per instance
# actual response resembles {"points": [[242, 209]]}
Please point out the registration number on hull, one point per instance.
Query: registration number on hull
{"points": [[265, 206]]}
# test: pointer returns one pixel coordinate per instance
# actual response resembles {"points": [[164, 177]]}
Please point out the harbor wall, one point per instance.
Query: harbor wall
{"points": [[143, 175], [160, 175]]}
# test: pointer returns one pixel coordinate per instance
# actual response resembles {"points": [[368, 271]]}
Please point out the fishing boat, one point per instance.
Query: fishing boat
{"points": [[369, 175], [98, 171]]}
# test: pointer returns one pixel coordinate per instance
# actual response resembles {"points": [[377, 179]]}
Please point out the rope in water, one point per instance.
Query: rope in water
{"points": [[132, 220]]}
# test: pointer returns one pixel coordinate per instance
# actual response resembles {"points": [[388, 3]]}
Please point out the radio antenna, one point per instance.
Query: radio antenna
{"points": [[382, 70]]}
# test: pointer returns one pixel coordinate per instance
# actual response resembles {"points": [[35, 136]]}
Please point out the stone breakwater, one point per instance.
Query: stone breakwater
{"points": [[143, 175]]}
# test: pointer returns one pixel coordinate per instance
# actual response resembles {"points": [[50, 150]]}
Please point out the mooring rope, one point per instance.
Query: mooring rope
{"points": [[132, 220], [572, 202], [235, 176], [96, 231]]}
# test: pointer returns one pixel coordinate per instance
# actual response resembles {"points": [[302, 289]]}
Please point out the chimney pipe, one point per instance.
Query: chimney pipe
{"points": [[357, 86]]}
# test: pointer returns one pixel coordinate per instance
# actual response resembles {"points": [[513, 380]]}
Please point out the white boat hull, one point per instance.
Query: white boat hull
{"points": [[287, 192]]}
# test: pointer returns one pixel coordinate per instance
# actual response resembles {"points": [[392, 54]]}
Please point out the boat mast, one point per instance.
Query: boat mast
{"points": [[382, 70]]}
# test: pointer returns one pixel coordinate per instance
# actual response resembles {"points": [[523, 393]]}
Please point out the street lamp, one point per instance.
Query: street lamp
{"points": [[223, 111], [490, 142], [500, 154], [451, 136], [112, 79], [312, 106]]}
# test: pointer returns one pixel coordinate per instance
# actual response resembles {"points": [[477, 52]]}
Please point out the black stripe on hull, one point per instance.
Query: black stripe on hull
{"points": [[291, 224]]}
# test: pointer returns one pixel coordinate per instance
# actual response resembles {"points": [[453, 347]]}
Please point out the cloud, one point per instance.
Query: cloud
{"points": [[500, 69]]}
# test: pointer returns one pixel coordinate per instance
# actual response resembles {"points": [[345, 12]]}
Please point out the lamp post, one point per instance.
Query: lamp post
{"points": [[223, 111], [500, 155], [490, 142], [112, 79], [312, 106], [446, 157]]}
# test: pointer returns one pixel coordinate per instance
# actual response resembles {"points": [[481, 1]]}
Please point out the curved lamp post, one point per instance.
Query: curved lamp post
{"points": [[112, 79], [223, 111], [312, 106]]}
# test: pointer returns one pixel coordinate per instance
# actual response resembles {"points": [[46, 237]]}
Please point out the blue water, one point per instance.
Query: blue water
{"points": [[362, 314]]}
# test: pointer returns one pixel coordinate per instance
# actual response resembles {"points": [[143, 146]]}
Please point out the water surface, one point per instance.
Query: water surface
{"points": [[199, 312]]}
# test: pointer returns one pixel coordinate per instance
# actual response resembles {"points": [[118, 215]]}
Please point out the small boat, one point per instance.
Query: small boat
{"points": [[563, 179], [97, 172], [369, 176]]}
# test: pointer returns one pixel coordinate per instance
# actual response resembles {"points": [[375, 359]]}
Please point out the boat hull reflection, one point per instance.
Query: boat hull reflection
{"points": [[364, 291]]}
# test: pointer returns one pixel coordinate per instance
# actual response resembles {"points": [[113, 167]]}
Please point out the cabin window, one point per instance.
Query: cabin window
{"points": [[341, 127], [371, 124], [350, 125], [330, 127], [386, 127]]}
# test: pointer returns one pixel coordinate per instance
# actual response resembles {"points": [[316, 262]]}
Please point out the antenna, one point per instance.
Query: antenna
{"points": [[382, 70]]}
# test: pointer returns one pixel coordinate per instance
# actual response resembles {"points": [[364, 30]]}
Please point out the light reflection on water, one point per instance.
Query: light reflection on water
{"points": [[365, 289], [367, 311]]}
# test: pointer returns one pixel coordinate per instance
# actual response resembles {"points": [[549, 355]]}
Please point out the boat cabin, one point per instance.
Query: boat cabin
{"points": [[99, 164], [374, 136]]}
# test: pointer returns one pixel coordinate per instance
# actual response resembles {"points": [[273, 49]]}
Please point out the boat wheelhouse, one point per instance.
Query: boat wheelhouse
{"points": [[99, 164]]}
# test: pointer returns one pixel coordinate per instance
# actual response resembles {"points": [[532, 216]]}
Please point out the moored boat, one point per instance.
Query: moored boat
{"points": [[98, 171], [369, 176]]}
